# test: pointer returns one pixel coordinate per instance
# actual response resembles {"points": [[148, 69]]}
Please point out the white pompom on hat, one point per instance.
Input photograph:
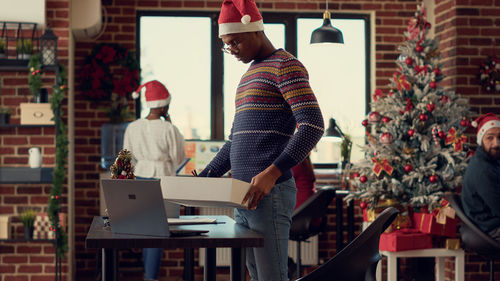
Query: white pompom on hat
{"points": [[483, 123], [155, 93], [238, 16]]}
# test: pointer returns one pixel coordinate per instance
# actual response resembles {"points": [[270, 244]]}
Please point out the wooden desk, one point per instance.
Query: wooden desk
{"points": [[224, 234]]}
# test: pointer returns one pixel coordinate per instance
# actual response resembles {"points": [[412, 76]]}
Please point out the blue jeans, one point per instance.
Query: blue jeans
{"points": [[151, 256], [272, 219], [152, 261]]}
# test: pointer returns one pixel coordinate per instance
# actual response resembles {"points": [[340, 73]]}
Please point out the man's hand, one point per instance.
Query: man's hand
{"points": [[260, 186]]}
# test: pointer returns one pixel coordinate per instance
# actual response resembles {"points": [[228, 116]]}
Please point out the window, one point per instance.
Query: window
{"points": [[182, 50]]}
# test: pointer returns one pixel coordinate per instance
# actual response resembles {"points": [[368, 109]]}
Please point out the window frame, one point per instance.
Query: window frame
{"points": [[288, 18]]}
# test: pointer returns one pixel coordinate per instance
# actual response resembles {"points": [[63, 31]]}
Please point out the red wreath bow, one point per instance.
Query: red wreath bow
{"points": [[382, 165], [453, 138], [401, 82]]}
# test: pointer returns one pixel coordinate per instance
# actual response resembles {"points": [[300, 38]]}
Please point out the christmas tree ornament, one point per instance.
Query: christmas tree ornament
{"points": [[454, 138], [409, 61], [381, 165], [464, 123], [363, 179], [419, 48], [365, 122], [441, 134], [433, 84], [408, 168], [423, 117], [355, 175], [378, 94], [437, 71], [411, 132], [433, 178], [430, 107], [386, 119], [373, 117], [386, 138], [363, 205], [444, 99]]}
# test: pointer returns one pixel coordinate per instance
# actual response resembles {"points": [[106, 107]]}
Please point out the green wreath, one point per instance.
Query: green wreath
{"points": [[98, 79]]}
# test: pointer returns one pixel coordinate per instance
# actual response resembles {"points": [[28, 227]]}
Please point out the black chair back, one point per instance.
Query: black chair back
{"points": [[358, 260], [474, 239], [313, 208]]}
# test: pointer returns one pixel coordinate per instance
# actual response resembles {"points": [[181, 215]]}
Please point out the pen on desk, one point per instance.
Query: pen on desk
{"points": [[194, 173]]}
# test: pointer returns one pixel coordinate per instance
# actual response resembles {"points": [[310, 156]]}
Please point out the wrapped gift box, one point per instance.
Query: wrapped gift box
{"points": [[427, 223], [404, 239], [204, 192]]}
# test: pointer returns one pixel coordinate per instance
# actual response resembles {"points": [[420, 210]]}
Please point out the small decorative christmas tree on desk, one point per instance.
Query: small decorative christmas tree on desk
{"points": [[416, 149]]}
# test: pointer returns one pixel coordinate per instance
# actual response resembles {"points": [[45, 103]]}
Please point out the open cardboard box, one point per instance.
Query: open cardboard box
{"points": [[204, 192]]}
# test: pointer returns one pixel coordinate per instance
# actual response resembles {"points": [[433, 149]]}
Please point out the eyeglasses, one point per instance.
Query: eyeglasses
{"points": [[231, 46]]}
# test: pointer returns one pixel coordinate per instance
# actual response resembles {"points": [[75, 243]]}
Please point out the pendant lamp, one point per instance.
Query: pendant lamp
{"points": [[327, 33]]}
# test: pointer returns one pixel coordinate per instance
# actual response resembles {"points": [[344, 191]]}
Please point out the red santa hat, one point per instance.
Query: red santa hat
{"points": [[155, 93], [238, 16], [483, 123]]}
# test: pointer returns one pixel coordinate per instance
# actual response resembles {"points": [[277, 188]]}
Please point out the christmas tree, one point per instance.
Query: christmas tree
{"points": [[416, 149]]}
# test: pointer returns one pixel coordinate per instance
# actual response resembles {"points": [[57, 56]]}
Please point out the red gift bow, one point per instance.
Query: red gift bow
{"points": [[382, 165], [453, 138], [401, 82]]}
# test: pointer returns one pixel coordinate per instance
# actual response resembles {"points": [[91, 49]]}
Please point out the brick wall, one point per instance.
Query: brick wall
{"points": [[463, 28], [20, 260]]}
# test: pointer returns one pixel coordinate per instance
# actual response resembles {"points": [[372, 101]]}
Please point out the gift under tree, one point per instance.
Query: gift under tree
{"points": [[416, 148]]}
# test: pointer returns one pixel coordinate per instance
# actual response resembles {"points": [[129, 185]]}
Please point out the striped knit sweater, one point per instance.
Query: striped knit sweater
{"points": [[272, 98]]}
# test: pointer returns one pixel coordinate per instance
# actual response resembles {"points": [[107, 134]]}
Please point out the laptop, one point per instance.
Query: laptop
{"points": [[137, 207]]}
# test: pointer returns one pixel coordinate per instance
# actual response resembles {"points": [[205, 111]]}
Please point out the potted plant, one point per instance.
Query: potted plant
{"points": [[2, 48], [4, 115], [27, 217], [24, 49]]}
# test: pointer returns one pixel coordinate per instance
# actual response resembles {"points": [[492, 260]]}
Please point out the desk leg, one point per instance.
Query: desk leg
{"points": [[392, 268], [210, 265], [189, 264], [109, 265], [440, 268], [238, 272], [460, 267], [378, 273], [339, 217]]}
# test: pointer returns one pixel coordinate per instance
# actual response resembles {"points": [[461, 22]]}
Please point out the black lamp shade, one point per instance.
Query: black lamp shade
{"points": [[333, 130], [48, 48], [327, 33]]}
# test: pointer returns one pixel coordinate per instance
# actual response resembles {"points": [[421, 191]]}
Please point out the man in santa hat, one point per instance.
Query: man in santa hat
{"points": [[481, 184], [273, 97], [157, 147]]}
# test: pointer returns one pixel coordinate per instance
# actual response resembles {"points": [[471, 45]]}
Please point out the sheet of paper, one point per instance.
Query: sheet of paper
{"points": [[194, 220]]}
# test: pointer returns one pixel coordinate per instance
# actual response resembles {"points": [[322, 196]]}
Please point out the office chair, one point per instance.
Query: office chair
{"points": [[358, 260], [303, 218], [474, 239]]}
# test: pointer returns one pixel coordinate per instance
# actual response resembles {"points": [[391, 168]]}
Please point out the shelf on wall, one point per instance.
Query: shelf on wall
{"points": [[20, 239], [19, 65], [24, 126], [25, 175]]}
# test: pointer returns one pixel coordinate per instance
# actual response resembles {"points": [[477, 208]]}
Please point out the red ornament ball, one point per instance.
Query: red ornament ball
{"points": [[386, 138], [408, 168], [363, 205], [419, 48], [363, 179], [374, 117], [423, 117], [441, 134], [433, 84], [444, 98], [409, 61], [365, 123], [355, 175], [430, 107], [386, 119], [411, 132], [433, 178], [437, 71], [464, 123]]}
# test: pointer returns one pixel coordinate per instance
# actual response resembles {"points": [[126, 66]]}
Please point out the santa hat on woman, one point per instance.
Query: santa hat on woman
{"points": [[155, 93], [483, 123], [238, 16]]}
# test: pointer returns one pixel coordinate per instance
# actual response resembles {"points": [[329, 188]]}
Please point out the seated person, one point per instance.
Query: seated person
{"points": [[481, 183]]}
